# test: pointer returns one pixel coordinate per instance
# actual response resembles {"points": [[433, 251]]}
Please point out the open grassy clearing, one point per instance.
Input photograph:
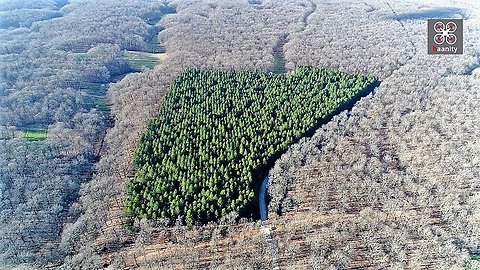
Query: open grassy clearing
{"points": [[139, 61], [158, 56], [95, 97], [279, 65], [96, 89], [153, 46], [98, 102], [279, 56], [153, 19], [101, 105], [80, 56], [33, 134]]}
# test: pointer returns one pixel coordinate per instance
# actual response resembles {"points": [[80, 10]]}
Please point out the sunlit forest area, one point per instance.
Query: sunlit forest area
{"points": [[200, 163], [390, 183], [57, 60]]}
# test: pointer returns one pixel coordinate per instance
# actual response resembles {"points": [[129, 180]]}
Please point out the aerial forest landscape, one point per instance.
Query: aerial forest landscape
{"points": [[242, 134]]}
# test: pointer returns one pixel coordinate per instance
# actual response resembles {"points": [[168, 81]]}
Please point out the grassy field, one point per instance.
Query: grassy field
{"points": [[279, 65], [279, 56], [96, 97], [139, 61], [102, 106], [96, 89], [80, 56], [33, 134], [97, 102], [153, 46]]}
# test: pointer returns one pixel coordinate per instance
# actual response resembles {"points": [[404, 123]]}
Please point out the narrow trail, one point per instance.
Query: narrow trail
{"points": [[279, 67], [308, 14], [272, 245], [266, 229], [278, 51], [410, 54], [279, 55], [405, 30]]}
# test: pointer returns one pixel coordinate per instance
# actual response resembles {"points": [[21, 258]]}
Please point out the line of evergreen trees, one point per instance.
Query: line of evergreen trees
{"points": [[214, 128]]}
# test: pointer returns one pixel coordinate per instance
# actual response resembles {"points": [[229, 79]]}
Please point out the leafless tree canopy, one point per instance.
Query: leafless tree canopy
{"points": [[391, 184]]}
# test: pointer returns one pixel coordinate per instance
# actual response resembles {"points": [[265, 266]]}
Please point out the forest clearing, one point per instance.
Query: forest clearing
{"points": [[95, 95]]}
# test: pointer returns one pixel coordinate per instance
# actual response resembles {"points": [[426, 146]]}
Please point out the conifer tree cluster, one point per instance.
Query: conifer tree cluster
{"points": [[215, 128]]}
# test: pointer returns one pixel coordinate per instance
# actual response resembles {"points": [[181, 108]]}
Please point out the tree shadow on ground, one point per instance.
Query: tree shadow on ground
{"points": [[433, 13]]}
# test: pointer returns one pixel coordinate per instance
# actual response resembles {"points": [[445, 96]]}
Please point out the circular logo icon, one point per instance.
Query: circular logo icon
{"points": [[439, 26], [445, 33], [451, 39], [451, 27], [439, 39]]}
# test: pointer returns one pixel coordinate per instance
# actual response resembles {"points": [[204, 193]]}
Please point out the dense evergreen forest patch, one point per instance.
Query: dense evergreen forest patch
{"points": [[215, 129]]}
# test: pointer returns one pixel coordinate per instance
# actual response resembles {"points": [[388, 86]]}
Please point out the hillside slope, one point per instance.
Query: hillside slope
{"points": [[391, 184]]}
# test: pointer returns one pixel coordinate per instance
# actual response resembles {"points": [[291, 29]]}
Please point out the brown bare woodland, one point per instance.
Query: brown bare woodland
{"points": [[392, 184]]}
